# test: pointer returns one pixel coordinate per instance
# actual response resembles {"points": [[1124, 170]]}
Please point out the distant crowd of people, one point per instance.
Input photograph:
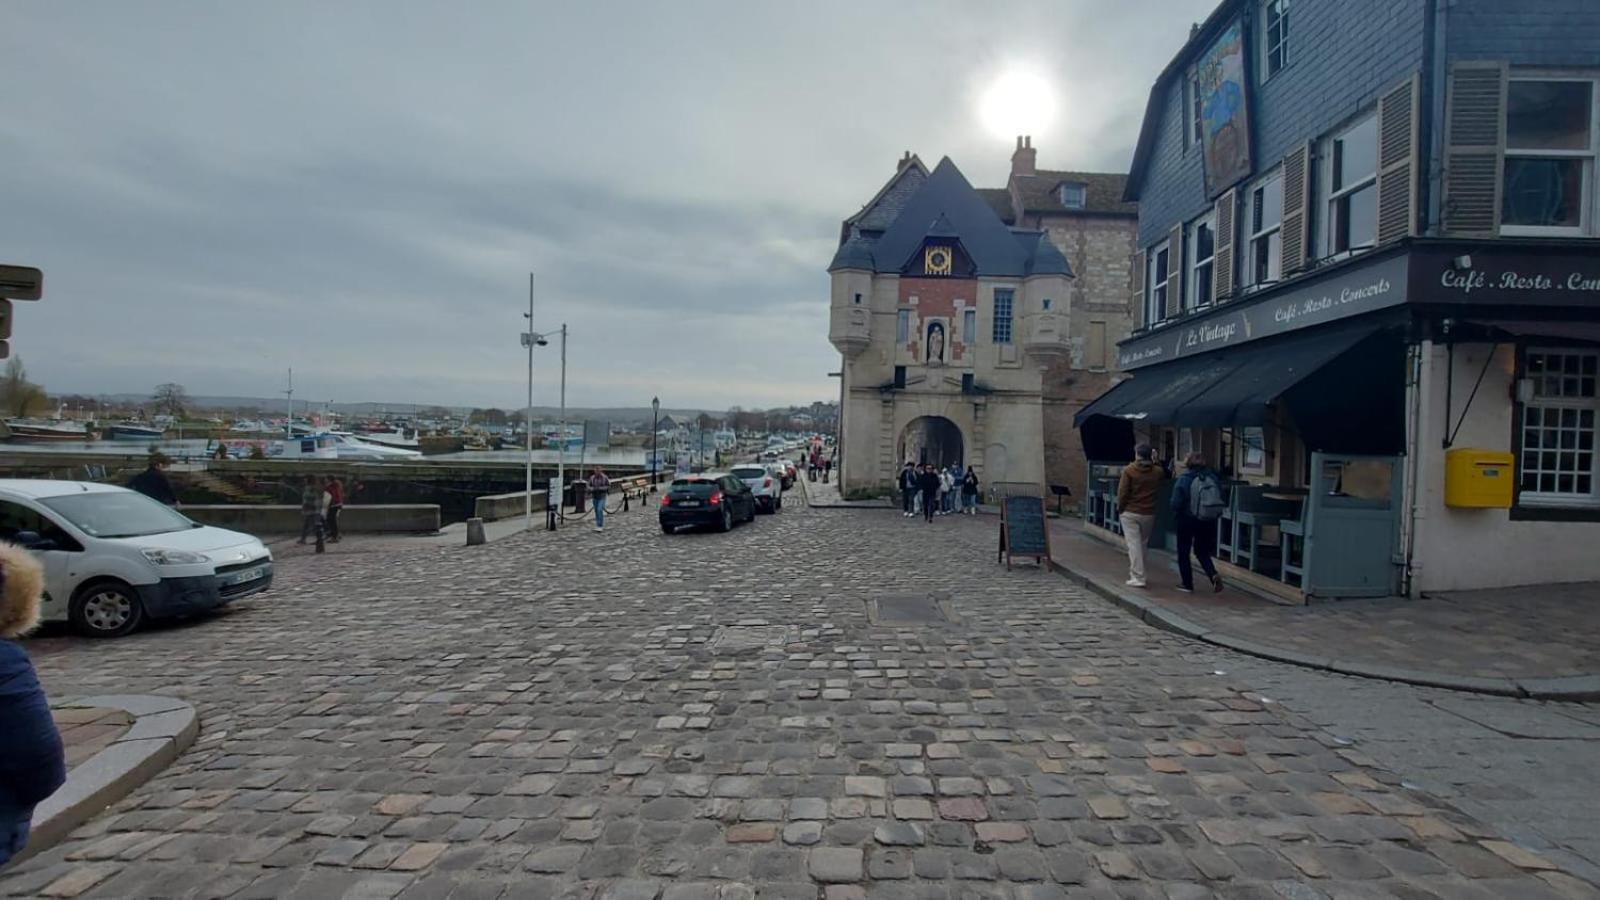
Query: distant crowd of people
{"points": [[932, 491], [818, 464]]}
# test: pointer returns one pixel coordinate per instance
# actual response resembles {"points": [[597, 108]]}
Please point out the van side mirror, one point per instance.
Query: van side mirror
{"points": [[32, 540]]}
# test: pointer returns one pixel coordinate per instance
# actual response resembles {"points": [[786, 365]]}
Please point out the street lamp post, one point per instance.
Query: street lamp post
{"points": [[655, 437], [561, 437], [529, 340]]}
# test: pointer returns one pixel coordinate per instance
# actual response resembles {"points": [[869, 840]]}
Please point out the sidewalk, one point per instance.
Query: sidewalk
{"points": [[1540, 642], [826, 496]]}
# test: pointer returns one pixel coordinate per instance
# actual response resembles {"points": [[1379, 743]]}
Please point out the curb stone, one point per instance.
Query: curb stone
{"points": [[1570, 688], [163, 727]]}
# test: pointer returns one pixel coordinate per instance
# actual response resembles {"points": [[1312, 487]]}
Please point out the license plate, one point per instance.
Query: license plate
{"points": [[233, 578], [687, 503]]}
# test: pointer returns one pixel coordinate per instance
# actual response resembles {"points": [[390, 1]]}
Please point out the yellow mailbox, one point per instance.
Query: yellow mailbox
{"points": [[1478, 479]]}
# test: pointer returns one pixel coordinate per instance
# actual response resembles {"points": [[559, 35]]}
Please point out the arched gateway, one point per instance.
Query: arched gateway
{"points": [[932, 439]]}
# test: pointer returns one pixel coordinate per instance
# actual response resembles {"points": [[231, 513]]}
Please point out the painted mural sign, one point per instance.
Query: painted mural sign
{"points": [[1347, 292], [1224, 100]]}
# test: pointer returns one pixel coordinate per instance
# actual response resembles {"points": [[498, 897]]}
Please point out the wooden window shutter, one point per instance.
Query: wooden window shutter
{"points": [[1174, 273], [1136, 282], [1296, 209], [1474, 149], [1222, 275], [1397, 162]]}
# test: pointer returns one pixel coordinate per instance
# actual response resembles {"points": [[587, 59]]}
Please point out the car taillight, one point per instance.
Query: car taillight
{"points": [[767, 483], [716, 498], [666, 499]]}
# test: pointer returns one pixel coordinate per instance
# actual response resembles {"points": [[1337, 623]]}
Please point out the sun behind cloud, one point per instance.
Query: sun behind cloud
{"points": [[1018, 101]]}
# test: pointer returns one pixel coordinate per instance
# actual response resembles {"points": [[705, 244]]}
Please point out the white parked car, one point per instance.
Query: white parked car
{"points": [[114, 558], [767, 487]]}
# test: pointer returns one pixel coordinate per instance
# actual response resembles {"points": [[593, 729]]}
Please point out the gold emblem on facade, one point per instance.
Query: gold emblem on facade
{"points": [[936, 261]]}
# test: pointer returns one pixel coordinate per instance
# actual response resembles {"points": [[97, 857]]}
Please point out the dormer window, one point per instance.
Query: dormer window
{"points": [[1074, 194]]}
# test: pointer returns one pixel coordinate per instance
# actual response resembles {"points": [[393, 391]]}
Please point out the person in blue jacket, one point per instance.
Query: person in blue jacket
{"points": [[32, 762], [1196, 506]]}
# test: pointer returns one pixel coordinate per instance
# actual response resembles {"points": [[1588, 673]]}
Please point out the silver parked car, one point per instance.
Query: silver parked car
{"points": [[767, 487]]}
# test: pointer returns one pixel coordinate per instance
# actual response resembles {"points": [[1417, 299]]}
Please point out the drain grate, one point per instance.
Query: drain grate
{"points": [[925, 608]]}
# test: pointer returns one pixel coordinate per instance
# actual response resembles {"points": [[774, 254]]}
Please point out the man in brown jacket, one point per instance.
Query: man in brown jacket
{"points": [[1136, 507]]}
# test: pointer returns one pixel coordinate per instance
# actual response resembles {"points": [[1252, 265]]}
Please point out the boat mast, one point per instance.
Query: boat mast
{"points": [[288, 423]]}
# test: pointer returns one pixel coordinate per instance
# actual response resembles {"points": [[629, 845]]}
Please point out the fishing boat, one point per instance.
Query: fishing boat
{"points": [[353, 446], [134, 431], [394, 438], [41, 431]]}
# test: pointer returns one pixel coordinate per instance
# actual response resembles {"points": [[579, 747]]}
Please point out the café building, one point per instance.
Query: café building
{"points": [[1380, 320]]}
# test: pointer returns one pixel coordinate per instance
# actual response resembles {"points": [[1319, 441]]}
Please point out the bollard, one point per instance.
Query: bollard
{"points": [[475, 532]]}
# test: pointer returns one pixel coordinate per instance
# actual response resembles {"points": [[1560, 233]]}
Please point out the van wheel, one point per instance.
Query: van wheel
{"points": [[106, 609]]}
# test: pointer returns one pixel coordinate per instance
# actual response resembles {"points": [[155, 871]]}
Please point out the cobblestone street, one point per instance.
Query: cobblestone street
{"points": [[824, 703]]}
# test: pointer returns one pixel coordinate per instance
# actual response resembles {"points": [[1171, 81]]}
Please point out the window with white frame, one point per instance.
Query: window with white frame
{"points": [[1263, 230], [1074, 194], [902, 326], [1194, 122], [1274, 37], [1558, 427], [1158, 264], [1202, 259], [1351, 188], [1550, 156], [969, 327], [1002, 315]]}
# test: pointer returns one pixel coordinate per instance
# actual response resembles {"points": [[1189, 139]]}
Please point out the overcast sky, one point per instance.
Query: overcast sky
{"points": [[220, 191]]}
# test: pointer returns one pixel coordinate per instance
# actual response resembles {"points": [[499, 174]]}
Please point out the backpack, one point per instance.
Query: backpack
{"points": [[1205, 498]]}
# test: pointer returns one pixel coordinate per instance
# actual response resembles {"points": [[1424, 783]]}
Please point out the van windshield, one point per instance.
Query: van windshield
{"points": [[117, 514]]}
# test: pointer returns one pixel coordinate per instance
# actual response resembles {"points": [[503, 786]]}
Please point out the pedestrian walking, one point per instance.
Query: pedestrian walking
{"points": [[313, 506], [929, 482], [32, 762], [947, 485], [599, 485], [335, 489], [969, 492], [908, 489], [1197, 503], [153, 482], [1136, 507], [827, 469]]}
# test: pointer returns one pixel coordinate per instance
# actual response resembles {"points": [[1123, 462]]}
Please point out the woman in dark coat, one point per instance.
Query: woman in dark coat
{"points": [[32, 764]]}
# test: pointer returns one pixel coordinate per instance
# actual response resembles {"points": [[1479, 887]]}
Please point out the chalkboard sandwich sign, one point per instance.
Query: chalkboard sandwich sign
{"points": [[1024, 531]]}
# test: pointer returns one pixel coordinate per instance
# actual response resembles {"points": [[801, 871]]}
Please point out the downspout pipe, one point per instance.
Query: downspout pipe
{"points": [[1431, 127]]}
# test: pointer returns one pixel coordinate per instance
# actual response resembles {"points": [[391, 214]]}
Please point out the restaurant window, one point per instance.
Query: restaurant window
{"points": [[969, 327], [1558, 427], [1550, 157], [902, 326], [1351, 180], [1263, 222], [1158, 262], [1002, 315], [1274, 37], [1202, 259]]}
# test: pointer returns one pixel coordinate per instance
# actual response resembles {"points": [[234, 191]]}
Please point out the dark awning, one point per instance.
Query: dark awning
{"points": [[1229, 387]]}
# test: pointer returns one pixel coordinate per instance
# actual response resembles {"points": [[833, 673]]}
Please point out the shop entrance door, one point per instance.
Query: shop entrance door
{"points": [[1352, 526]]}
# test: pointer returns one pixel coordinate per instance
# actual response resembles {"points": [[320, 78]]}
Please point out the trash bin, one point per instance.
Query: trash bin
{"points": [[580, 492]]}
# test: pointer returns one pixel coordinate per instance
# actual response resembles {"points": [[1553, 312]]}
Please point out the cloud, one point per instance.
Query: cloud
{"points": [[220, 192]]}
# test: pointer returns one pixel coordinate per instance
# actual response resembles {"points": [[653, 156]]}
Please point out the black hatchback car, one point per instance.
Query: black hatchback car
{"points": [[711, 498]]}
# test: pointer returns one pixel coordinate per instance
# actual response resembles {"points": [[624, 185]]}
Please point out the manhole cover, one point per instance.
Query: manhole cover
{"points": [[910, 609], [734, 638]]}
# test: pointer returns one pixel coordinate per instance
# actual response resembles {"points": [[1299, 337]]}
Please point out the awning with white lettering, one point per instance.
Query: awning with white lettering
{"points": [[1227, 388]]}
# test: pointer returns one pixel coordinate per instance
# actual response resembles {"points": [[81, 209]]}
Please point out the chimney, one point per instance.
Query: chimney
{"points": [[1022, 161], [904, 161]]}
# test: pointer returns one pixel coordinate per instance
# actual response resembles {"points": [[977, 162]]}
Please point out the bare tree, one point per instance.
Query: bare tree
{"points": [[170, 399], [18, 395]]}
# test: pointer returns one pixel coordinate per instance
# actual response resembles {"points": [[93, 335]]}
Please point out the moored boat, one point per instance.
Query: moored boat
{"points": [[46, 431], [133, 431]]}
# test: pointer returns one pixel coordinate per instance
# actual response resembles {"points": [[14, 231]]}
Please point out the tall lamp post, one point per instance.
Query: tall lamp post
{"points": [[529, 340], [655, 437]]}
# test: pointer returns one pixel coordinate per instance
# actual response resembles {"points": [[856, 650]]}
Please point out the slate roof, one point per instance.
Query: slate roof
{"points": [[881, 211], [1104, 192], [944, 205], [999, 200]]}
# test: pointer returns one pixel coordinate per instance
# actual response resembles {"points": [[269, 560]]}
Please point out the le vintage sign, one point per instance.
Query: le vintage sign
{"points": [[1347, 292]]}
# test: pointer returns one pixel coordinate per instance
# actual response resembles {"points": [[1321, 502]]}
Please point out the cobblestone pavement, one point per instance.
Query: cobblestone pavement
{"points": [[825, 703]]}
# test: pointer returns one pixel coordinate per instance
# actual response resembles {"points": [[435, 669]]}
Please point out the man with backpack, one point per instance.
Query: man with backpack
{"points": [[1197, 504]]}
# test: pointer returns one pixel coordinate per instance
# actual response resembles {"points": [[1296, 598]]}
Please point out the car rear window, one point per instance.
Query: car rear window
{"points": [[696, 487], [750, 472]]}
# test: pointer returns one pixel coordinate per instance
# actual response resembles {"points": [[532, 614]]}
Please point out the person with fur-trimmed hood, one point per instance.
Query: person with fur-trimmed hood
{"points": [[32, 762]]}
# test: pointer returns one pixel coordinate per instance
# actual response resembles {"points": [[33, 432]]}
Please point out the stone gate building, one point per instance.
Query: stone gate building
{"points": [[966, 328]]}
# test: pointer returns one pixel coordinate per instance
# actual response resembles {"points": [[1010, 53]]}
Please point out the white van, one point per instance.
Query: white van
{"points": [[113, 557]]}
